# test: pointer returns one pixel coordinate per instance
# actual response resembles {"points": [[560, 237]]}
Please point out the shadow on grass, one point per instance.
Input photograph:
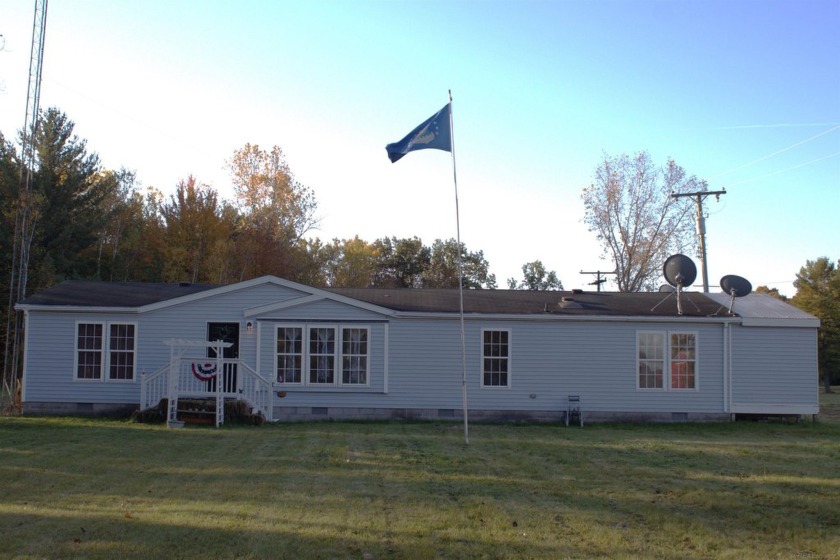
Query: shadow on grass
{"points": [[85, 488]]}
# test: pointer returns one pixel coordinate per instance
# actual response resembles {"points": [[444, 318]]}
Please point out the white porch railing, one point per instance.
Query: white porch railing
{"points": [[193, 379], [153, 387], [256, 390]]}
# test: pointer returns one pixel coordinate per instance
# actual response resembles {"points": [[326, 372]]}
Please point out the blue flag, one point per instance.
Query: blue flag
{"points": [[432, 133]]}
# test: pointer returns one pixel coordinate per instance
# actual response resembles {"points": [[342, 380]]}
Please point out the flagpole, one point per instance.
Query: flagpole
{"points": [[460, 280]]}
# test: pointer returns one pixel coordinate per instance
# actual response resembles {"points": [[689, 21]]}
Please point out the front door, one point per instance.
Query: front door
{"points": [[226, 332]]}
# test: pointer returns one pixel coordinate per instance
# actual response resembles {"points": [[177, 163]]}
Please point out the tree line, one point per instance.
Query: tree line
{"points": [[818, 292], [88, 222]]}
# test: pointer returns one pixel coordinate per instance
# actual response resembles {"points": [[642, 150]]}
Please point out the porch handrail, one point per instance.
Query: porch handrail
{"points": [[153, 387], [252, 387], [256, 390]]}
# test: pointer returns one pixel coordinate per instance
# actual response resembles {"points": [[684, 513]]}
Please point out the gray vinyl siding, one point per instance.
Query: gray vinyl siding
{"points": [[49, 375], [189, 321], [774, 366], [416, 362], [323, 310], [596, 360], [51, 340], [550, 361]]}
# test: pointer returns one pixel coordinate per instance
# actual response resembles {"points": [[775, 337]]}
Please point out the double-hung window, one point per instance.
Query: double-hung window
{"points": [[323, 355], [106, 351], [683, 360], [354, 356], [495, 358], [666, 360], [89, 350], [121, 351], [289, 354], [651, 360]]}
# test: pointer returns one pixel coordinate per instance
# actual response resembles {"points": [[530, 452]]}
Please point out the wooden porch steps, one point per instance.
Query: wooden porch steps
{"points": [[197, 411], [203, 411]]}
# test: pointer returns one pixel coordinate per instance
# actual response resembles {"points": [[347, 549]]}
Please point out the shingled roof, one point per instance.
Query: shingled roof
{"points": [[93, 293], [85, 293], [528, 302]]}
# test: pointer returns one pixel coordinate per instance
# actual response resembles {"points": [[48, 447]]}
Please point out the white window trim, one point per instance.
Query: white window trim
{"points": [[76, 352], [303, 344], [340, 356], [335, 354], [105, 352], [107, 373], [338, 362], [663, 335], [666, 366], [509, 384], [696, 362]]}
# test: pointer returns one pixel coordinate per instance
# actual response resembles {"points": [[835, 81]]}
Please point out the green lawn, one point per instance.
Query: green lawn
{"points": [[75, 488], [830, 405]]}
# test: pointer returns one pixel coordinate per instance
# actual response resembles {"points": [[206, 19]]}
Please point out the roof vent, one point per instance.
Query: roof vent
{"points": [[577, 291], [569, 303]]}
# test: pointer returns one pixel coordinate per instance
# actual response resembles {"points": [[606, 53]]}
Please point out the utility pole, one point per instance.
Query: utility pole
{"points": [[699, 197], [598, 280]]}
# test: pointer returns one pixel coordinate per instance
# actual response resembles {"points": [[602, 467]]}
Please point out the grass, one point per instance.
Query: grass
{"points": [[830, 405], [83, 488]]}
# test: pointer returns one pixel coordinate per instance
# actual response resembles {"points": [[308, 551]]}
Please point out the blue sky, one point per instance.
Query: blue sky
{"points": [[744, 94]]}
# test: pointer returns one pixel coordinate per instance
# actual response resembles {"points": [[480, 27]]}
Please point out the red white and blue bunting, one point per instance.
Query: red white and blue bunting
{"points": [[204, 372]]}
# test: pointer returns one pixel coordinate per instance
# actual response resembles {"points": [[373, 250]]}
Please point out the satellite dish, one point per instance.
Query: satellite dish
{"points": [[680, 271], [736, 286]]}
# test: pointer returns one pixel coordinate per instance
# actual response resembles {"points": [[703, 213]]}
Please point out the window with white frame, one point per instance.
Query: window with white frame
{"points": [[651, 360], [114, 352], [354, 356], [121, 351], [666, 360], [89, 351], [495, 358], [320, 355], [683, 360], [289, 354]]}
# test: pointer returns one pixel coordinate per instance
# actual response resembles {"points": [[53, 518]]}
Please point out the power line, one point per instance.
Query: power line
{"points": [[598, 280]]}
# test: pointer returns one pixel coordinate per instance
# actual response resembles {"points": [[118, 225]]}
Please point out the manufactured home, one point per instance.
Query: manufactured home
{"points": [[294, 352]]}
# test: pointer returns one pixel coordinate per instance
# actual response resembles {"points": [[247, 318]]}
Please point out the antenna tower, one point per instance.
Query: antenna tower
{"points": [[24, 228]]}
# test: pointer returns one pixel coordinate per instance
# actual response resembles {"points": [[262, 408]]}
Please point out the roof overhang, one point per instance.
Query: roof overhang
{"points": [[784, 323], [551, 317], [307, 295]]}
